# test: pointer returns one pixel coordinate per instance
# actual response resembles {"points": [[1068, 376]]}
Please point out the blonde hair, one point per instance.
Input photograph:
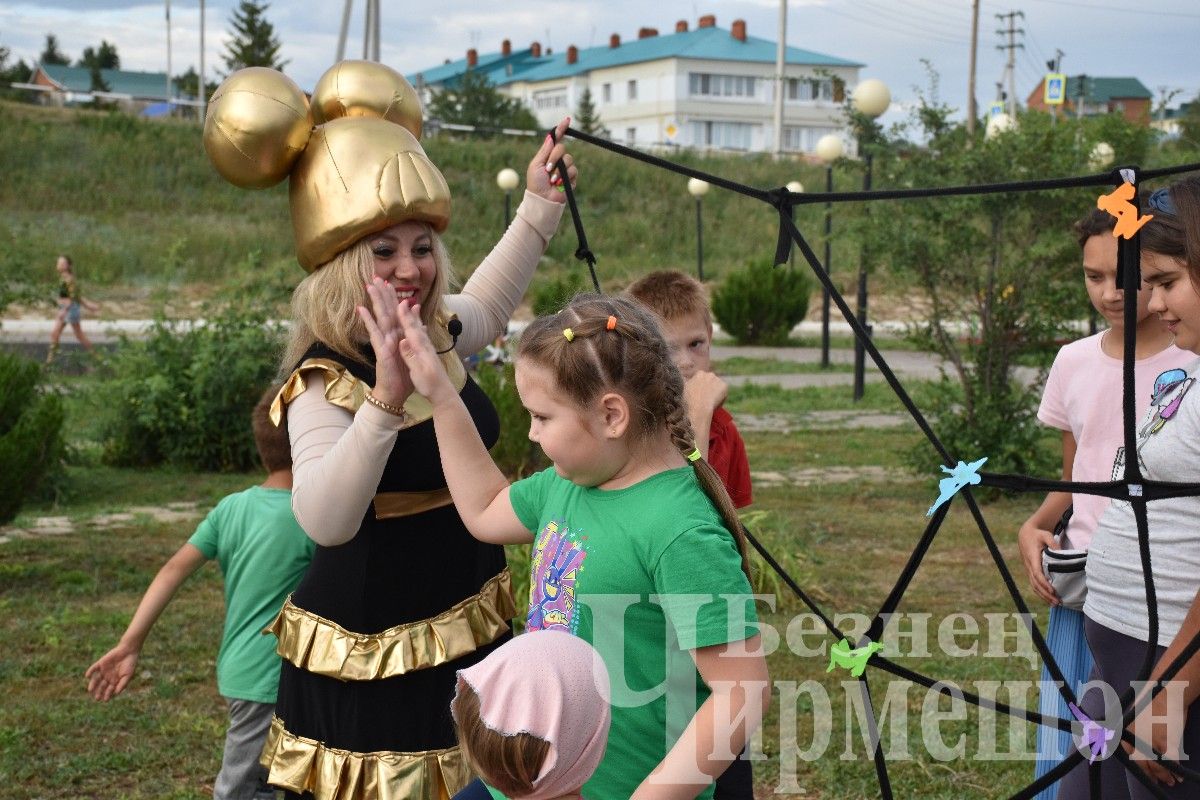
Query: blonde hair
{"points": [[671, 294], [509, 763], [632, 359], [324, 303]]}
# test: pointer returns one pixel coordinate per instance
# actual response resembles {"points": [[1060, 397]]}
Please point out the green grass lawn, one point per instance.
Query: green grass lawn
{"points": [[66, 598]]}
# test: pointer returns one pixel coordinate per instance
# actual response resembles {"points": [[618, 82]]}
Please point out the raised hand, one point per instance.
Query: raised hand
{"points": [[111, 672], [423, 364], [542, 176], [392, 384]]}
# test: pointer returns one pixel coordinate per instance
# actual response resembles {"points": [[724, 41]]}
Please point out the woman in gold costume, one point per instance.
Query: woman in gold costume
{"points": [[399, 595]]}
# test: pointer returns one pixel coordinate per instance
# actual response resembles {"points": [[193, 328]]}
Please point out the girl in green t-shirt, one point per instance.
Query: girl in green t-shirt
{"points": [[637, 546]]}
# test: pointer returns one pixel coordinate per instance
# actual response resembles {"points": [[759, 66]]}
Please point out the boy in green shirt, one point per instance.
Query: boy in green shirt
{"points": [[263, 553]]}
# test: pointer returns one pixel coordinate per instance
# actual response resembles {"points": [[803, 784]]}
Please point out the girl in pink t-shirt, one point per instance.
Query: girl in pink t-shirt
{"points": [[1079, 401]]}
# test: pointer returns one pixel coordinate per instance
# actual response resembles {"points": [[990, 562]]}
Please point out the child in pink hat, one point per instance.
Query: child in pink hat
{"points": [[533, 717]]}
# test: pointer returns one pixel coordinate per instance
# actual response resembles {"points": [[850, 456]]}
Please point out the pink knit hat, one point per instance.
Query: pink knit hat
{"points": [[554, 686]]}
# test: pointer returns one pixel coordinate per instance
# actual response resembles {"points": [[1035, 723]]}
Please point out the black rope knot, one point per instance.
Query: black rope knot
{"points": [[783, 202]]}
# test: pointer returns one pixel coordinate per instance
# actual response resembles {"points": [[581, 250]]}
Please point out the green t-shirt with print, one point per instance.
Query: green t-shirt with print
{"points": [[645, 574], [263, 553]]}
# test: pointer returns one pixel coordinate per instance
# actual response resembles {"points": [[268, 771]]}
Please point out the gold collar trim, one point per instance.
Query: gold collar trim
{"points": [[299, 764], [344, 390], [319, 646]]}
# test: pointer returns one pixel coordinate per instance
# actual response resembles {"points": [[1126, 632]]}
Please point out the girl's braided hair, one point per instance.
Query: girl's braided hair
{"points": [[631, 358]]}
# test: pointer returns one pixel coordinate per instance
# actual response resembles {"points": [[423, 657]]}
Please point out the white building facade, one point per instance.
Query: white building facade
{"points": [[707, 88]]}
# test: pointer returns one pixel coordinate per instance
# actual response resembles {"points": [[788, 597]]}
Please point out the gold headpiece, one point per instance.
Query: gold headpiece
{"points": [[355, 163]]}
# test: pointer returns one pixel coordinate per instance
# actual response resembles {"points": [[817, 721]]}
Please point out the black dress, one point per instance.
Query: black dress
{"points": [[373, 635]]}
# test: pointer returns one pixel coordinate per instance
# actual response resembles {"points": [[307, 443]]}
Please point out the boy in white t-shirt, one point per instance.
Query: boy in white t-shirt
{"points": [[1080, 400]]}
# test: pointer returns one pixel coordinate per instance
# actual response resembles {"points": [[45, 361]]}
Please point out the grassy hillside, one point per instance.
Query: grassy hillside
{"points": [[141, 210]]}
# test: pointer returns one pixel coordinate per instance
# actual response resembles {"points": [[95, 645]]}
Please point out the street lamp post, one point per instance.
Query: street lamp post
{"points": [[507, 179], [697, 189], [871, 98], [795, 187], [829, 150]]}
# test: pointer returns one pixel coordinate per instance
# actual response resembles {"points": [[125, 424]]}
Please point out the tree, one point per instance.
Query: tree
{"points": [[475, 101], [9, 74], [253, 43], [52, 55], [188, 84], [998, 273], [586, 118], [105, 57], [1189, 123]]}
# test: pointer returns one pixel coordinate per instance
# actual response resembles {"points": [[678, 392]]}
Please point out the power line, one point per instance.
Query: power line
{"points": [[890, 28], [940, 26], [1122, 9]]}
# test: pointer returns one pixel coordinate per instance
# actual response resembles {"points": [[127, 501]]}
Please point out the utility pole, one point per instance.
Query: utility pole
{"points": [[169, 92], [972, 109], [370, 51], [780, 79], [202, 95], [1010, 66]]}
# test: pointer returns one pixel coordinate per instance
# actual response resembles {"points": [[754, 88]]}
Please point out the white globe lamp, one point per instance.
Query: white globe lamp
{"points": [[871, 97], [830, 148]]}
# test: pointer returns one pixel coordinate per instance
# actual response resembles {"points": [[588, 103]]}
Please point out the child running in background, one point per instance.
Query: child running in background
{"points": [[1117, 617], [681, 304], [637, 547], [263, 553], [532, 718], [1081, 399], [70, 300]]}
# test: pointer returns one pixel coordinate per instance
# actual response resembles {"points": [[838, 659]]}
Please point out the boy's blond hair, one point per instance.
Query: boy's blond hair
{"points": [[671, 294]]}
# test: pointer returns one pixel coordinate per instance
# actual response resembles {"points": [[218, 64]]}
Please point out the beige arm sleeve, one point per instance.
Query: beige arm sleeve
{"points": [[337, 461], [492, 293]]}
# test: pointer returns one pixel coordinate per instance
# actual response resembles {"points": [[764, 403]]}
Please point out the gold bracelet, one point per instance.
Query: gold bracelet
{"points": [[396, 411]]}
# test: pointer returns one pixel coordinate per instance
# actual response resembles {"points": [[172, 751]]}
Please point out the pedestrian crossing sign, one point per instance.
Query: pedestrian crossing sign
{"points": [[1056, 89]]}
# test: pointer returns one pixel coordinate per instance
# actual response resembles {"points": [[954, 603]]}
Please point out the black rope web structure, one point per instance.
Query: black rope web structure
{"points": [[1132, 487]]}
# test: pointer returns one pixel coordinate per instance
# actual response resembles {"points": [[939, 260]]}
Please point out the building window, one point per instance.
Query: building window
{"points": [[631, 90], [606, 92], [706, 84], [800, 139], [550, 99], [630, 134], [729, 135], [809, 89]]}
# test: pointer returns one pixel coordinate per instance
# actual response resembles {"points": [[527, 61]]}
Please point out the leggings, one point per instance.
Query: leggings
{"points": [[1117, 660]]}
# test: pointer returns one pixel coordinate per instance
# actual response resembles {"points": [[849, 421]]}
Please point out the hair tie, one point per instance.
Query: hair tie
{"points": [[694, 455], [612, 323], [570, 334]]}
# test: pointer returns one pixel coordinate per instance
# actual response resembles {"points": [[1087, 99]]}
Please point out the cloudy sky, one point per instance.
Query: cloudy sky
{"points": [[1154, 40]]}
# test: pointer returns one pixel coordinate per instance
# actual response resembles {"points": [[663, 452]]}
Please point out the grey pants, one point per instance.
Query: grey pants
{"points": [[241, 776], [1117, 660]]}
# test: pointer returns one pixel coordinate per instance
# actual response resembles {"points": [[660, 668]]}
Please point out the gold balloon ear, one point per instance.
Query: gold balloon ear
{"points": [[257, 125], [366, 89]]}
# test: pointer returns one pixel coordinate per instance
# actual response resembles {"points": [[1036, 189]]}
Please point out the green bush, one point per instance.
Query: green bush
{"points": [[184, 395], [513, 453], [31, 444], [551, 294], [1002, 426], [762, 303]]}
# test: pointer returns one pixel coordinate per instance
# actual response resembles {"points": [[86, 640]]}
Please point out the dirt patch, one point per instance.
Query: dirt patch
{"points": [[58, 526], [778, 422], [812, 476]]}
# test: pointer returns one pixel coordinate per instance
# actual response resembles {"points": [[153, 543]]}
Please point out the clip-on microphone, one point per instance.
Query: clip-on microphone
{"points": [[454, 328]]}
